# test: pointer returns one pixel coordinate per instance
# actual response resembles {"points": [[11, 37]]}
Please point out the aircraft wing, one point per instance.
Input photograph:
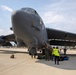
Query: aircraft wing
{"points": [[5, 40], [57, 37]]}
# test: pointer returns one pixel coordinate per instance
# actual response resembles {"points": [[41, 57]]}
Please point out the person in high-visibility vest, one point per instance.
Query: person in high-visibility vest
{"points": [[53, 53], [57, 55]]}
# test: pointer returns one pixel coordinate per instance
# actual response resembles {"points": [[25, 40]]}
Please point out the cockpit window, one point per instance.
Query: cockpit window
{"points": [[29, 10]]}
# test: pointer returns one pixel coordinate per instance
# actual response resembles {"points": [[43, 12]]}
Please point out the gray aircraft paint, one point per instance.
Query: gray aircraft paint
{"points": [[29, 28]]}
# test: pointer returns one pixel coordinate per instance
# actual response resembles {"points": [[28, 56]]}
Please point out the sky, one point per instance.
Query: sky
{"points": [[56, 14]]}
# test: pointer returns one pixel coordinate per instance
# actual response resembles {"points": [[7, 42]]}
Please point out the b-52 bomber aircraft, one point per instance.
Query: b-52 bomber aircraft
{"points": [[29, 30]]}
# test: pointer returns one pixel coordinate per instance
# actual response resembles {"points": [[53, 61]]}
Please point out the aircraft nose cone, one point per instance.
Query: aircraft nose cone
{"points": [[20, 23], [16, 16], [19, 18]]}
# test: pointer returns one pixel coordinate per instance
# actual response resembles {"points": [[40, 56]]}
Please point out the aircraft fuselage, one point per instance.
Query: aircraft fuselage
{"points": [[29, 28]]}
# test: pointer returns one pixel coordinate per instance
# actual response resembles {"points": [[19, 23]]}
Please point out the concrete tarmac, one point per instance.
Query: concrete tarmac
{"points": [[23, 64]]}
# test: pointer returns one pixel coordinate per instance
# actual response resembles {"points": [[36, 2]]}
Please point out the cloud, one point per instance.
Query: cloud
{"points": [[51, 17], [62, 5], [60, 15], [1, 30], [6, 8]]}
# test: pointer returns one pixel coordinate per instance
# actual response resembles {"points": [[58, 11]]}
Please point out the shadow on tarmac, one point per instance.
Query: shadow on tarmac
{"points": [[67, 65]]}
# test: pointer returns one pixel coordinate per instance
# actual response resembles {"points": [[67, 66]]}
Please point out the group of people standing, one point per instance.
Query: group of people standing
{"points": [[52, 54], [49, 53]]}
